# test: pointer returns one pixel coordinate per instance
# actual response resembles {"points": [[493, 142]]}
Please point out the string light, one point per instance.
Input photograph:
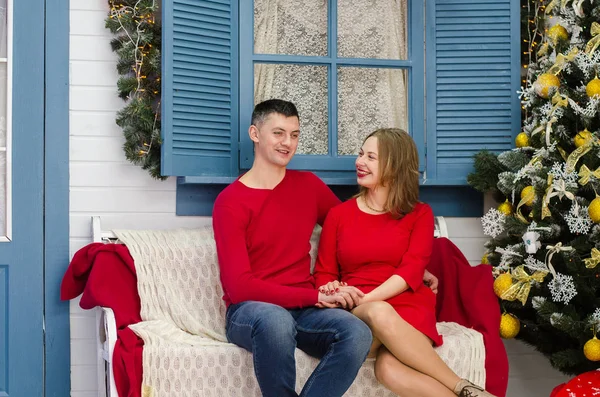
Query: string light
{"points": [[534, 12], [133, 21]]}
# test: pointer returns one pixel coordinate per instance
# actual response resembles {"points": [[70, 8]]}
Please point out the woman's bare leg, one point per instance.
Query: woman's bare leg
{"points": [[374, 348], [408, 345], [405, 381]]}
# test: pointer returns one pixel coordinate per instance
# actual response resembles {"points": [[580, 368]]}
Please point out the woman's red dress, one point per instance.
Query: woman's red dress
{"points": [[364, 250]]}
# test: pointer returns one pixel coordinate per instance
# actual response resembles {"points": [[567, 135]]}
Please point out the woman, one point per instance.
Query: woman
{"points": [[380, 242]]}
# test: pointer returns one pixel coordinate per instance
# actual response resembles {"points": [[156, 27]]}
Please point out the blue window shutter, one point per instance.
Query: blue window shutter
{"points": [[200, 88], [473, 73]]}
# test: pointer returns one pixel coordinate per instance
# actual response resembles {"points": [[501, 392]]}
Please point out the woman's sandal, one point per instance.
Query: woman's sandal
{"points": [[464, 388]]}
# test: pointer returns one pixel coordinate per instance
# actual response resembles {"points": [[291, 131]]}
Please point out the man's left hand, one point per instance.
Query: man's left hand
{"points": [[431, 281]]}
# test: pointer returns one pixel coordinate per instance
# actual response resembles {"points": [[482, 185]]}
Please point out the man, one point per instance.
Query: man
{"points": [[263, 223]]}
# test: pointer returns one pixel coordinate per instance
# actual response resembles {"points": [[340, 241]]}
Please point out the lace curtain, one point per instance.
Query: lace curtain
{"points": [[3, 95], [368, 98]]}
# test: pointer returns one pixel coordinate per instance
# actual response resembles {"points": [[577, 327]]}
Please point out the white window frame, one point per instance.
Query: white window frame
{"points": [[7, 237]]}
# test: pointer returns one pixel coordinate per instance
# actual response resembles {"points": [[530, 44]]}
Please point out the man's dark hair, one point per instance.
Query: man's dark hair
{"points": [[264, 109]]}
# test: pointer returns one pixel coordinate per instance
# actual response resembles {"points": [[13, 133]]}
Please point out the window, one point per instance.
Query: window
{"points": [[445, 70], [331, 58]]}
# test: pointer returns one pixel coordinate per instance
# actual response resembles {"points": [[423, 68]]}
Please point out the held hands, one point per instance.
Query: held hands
{"points": [[339, 294]]}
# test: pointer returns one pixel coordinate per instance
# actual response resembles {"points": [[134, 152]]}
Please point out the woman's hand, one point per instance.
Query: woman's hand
{"points": [[332, 287], [346, 297]]}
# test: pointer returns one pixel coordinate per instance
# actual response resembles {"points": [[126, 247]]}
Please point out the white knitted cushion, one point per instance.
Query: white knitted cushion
{"points": [[178, 364], [183, 325], [178, 278]]}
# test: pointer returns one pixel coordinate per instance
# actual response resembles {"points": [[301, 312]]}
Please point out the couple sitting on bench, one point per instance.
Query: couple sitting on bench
{"points": [[370, 293]]}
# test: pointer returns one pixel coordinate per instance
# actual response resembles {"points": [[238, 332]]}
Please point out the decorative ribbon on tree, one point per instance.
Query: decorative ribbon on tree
{"points": [[585, 174], [527, 198], [576, 155], [593, 44], [592, 261], [519, 290], [554, 249]]}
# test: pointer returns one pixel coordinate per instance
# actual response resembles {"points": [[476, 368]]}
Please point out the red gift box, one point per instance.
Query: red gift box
{"points": [[586, 384]]}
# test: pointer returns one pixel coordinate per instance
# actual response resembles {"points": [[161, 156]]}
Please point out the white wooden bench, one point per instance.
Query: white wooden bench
{"points": [[106, 324]]}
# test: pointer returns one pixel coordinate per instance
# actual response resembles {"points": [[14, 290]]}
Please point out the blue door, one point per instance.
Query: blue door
{"points": [[21, 197]]}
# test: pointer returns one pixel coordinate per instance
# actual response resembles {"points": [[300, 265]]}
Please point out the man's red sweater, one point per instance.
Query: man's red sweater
{"points": [[263, 239]]}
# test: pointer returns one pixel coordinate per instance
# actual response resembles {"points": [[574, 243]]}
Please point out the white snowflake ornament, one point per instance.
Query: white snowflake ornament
{"points": [[590, 109], [493, 223], [562, 288], [559, 171], [578, 219], [545, 109], [534, 265], [596, 318], [509, 254]]}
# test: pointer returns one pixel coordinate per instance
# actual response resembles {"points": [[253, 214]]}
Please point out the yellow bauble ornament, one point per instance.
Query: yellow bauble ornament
{"points": [[502, 283], [544, 83], [506, 208], [594, 210], [527, 191], [509, 326], [593, 87], [582, 138], [484, 259], [557, 33], [591, 349], [522, 140]]}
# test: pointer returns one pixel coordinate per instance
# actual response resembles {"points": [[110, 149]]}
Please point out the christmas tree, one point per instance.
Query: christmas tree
{"points": [[545, 234]]}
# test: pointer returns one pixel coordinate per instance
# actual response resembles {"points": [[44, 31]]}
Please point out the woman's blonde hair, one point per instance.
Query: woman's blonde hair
{"points": [[399, 170]]}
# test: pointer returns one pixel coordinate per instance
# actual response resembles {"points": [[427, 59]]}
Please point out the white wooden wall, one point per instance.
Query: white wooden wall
{"points": [[103, 183]]}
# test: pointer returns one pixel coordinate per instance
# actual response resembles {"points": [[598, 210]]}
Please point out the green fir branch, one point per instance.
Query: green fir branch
{"points": [[137, 44]]}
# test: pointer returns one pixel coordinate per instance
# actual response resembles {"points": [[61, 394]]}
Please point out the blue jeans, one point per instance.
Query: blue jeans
{"points": [[271, 333]]}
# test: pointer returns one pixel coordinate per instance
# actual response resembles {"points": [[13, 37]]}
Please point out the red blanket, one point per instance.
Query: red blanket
{"points": [[466, 297], [105, 274]]}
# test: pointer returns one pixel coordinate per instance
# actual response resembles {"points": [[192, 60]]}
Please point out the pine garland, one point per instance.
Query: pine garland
{"points": [[137, 43]]}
